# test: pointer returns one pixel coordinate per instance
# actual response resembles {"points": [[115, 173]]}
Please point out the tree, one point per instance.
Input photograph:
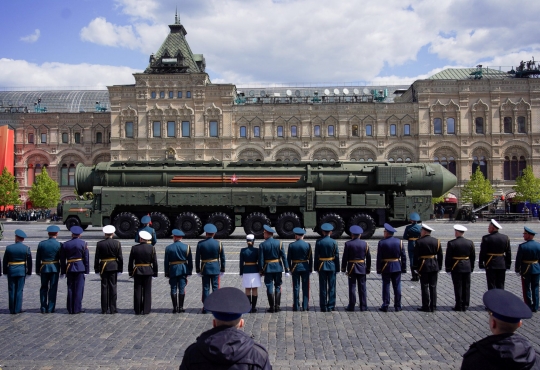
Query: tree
{"points": [[45, 192], [527, 187], [437, 200], [478, 190], [9, 190]]}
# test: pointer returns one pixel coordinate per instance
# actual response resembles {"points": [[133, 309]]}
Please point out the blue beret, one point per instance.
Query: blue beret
{"points": [[529, 231], [506, 306], [414, 217], [53, 229], [146, 219], [76, 230], [269, 229], [210, 228], [20, 233], [227, 304], [389, 228], [356, 230], [299, 231], [327, 227], [177, 232]]}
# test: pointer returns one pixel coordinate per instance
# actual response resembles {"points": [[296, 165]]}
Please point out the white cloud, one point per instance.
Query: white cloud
{"points": [[141, 9], [20, 73], [32, 37]]}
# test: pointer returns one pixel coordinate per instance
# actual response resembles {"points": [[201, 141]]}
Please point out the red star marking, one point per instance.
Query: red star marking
{"points": [[234, 179]]}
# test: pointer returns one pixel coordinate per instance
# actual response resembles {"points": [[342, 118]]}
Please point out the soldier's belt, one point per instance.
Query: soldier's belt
{"points": [[356, 261], [412, 239], [427, 257], [528, 263], [491, 255], [208, 261], [457, 260], [296, 262], [250, 263], [177, 262], [74, 260], [386, 260], [270, 261], [424, 258], [16, 263], [43, 263], [326, 258], [137, 265], [105, 260]]}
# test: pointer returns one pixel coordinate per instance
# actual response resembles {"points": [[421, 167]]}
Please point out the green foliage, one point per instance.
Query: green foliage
{"points": [[9, 190], [478, 190], [45, 192], [527, 187], [437, 200]]}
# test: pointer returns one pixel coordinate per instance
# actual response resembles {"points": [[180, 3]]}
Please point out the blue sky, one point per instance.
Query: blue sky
{"points": [[97, 43]]}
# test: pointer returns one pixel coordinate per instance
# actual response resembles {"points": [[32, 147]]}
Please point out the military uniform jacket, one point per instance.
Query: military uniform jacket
{"points": [[356, 250], [178, 260], [326, 248], [151, 231], [48, 251], [143, 254], [412, 233], [17, 260], [272, 250], [300, 250], [428, 246], [460, 255], [391, 249], [108, 249], [210, 257], [495, 243], [527, 253], [249, 255], [76, 251]]}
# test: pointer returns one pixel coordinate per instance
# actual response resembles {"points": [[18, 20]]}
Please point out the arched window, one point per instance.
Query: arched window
{"points": [[354, 130], [507, 125], [513, 167], [242, 131], [522, 127], [479, 125], [280, 131], [317, 130], [437, 126], [447, 162], [480, 162], [362, 155], [450, 126], [369, 131]]}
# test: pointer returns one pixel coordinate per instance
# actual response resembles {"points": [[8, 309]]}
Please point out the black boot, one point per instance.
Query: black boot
{"points": [[174, 298], [253, 304], [278, 301], [270, 302], [181, 303]]}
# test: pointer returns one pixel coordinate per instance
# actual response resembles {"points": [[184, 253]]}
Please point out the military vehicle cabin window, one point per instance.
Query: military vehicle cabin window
{"points": [[522, 128], [507, 125], [129, 129], [171, 94], [355, 130], [43, 138], [242, 131], [479, 125], [153, 94], [280, 131], [30, 138], [162, 94], [293, 131], [77, 137], [185, 129], [179, 95], [256, 131], [450, 126], [213, 128], [171, 129], [331, 130], [392, 130], [437, 126], [407, 130], [188, 94], [369, 131], [317, 130], [64, 137], [99, 137], [156, 129]]}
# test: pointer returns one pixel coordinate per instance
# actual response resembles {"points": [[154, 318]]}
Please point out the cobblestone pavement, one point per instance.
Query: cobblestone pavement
{"points": [[307, 340]]}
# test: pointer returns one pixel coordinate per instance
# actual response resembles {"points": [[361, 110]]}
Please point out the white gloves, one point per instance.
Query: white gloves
{"points": [[449, 273], [199, 274], [518, 273], [221, 274], [287, 274]]}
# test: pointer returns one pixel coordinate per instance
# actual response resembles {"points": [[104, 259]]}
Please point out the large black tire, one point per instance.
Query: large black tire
{"points": [[161, 224], [127, 225], [336, 221], [285, 224], [366, 222], [72, 221], [84, 227], [189, 223], [222, 222], [254, 224]]}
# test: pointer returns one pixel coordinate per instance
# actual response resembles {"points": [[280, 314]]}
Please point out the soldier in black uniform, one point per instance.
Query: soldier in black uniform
{"points": [[504, 349], [495, 256], [428, 260], [142, 267], [108, 263], [459, 262]]}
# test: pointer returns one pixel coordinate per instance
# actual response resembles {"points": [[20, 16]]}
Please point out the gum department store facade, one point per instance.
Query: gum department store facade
{"points": [[174, 111]]}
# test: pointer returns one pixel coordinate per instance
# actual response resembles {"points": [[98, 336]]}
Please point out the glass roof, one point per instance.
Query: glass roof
{"points": [[65, 101]]}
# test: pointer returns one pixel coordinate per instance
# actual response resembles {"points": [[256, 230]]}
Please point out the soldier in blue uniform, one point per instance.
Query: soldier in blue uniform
{"points": [[142, 267], [391, 263], [300, 260], [411, 234], [527, 267], [327, 266], [17, 264], [145, 221], [178, 265], [108, 263], [272, 260], [74, 264], [48, 267], [428, 260], [504, 349], [356, 264], [249, 271], [459, 262], [209, 261], [495, 256]]}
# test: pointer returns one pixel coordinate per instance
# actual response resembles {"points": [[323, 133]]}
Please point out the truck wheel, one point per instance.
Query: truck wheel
{"points": [[222, 222], [254, 224], [189, 223], [84, 227], [336, 221], [285, 224], [72, 221], [126, 224], [161, 224], [366, 222]]}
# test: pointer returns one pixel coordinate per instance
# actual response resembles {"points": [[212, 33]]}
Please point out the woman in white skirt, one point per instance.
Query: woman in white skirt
{"points": [[249, 270]]}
